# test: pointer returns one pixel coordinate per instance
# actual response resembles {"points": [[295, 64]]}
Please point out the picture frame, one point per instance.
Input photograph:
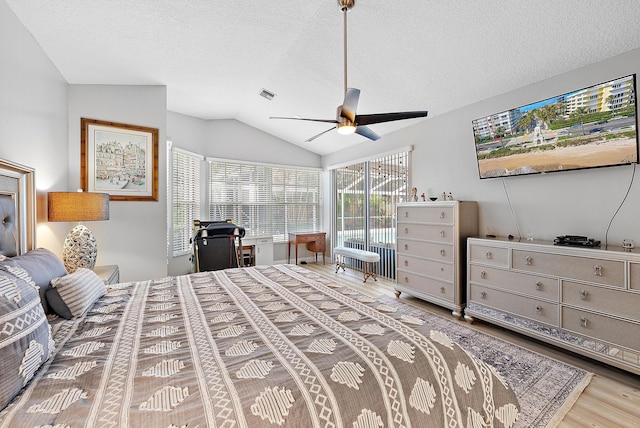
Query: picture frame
{"points": [[119, 159]]}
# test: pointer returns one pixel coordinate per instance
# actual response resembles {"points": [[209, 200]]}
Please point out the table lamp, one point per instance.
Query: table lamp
{"points": [[80, 246]]}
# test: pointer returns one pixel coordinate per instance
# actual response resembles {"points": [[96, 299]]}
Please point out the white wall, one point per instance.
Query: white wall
{"points": [[135, 235], [33, 118], [574, 202]]}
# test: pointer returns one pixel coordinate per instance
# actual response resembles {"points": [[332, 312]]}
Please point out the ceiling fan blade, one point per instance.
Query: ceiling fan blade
{"points": [[370, 119], [318, 135], [367, 132], [350, 103], [302, 118]]}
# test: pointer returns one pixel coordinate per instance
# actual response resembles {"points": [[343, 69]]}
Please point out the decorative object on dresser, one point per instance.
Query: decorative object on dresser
{"points": [[582, 299], [431, 250], [80, 246]]}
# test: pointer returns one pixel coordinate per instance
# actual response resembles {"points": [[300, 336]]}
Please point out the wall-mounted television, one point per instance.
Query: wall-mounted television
{"points": [[587, 128]]}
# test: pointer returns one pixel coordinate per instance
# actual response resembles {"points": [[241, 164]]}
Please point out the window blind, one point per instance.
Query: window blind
{"points": [[267, 200], [185, 196]]}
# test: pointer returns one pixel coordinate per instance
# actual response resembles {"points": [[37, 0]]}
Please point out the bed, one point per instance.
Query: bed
{"points": [[265, 346]]}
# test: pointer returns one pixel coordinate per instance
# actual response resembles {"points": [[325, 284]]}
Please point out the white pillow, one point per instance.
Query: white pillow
{"points": [[78, 291]]}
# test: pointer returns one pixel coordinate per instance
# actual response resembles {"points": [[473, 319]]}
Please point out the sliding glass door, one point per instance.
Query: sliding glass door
{"points": [[365, 207]]}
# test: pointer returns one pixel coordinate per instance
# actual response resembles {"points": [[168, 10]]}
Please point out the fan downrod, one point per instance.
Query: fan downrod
{"points": [[346, 4]]}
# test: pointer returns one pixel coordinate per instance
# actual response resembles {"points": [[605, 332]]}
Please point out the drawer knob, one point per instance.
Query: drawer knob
{"points": [[483, 294], [406, 213], [483, 274], [442, 233], [406, 262], [584, 322], [406, 246], [489, 255], [538, 309], [597, 270], [442, 290], [441, 214], [406, 279], [529, 260], [583, 295], [442, 252], [406, 230], [538, 285]]}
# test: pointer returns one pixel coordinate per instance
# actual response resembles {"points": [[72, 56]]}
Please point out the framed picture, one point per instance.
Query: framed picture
{"points": [[119, 159]]}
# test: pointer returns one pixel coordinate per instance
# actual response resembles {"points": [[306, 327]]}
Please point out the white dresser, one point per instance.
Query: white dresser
{"points": [[586, 300], [431, 250]]}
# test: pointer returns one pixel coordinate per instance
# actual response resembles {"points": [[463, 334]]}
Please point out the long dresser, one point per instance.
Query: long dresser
{"points": [[431, 250], [586, 300]]}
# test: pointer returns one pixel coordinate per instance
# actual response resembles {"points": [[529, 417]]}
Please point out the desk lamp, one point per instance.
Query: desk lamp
{"points": [[80, 246]]}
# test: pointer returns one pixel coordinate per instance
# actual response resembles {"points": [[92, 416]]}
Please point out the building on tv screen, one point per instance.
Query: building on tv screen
{"points": [[591, 127]]}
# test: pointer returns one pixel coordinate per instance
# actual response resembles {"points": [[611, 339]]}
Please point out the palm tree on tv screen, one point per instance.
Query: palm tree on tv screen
{"points": [[579, 114]]}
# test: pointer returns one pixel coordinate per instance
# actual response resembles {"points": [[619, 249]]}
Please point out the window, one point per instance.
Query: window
{"points": [[265, 199], [365, 206], [185, 197]]}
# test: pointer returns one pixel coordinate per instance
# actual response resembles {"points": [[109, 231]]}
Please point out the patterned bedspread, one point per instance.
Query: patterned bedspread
{"points": [[276, 346]]}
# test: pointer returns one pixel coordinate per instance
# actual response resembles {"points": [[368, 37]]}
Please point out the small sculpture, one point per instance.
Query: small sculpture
{"points": [[449, 197], [414, 194], [423, 197]]}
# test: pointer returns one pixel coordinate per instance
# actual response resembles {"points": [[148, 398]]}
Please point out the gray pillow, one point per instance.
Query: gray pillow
{"points": [[26, 337], [42, 265], [73, 294]]}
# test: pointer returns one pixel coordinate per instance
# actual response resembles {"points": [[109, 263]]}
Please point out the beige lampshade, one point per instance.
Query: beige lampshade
{"points": [[78, 206], [80, 247]]}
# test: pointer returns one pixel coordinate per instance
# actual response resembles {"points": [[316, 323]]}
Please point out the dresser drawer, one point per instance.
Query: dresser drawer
{"points": [[316, 246], [422, 214], [609, 272], [489, 255], [634, 276], [434, 233], [601, 327], [430, 250], [439, 270], [439, 289], [610, 301], [527, 307], [535, 286]]}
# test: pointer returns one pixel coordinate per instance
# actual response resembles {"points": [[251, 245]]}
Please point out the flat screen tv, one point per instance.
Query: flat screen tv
{"points": [[587, 128]]}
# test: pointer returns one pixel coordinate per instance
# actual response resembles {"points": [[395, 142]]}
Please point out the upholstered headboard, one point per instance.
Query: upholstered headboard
{"points": [[8, 227], [17, 209]]}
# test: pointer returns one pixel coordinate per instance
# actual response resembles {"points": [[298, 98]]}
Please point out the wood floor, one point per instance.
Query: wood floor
{"points": [[612, 399]]}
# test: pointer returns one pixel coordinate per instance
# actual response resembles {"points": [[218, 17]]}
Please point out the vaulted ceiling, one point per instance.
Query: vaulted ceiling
{"points": [[215, 57]]}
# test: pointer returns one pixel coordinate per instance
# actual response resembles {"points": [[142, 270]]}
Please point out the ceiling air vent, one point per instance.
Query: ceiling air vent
{"points": [[267, 94]]}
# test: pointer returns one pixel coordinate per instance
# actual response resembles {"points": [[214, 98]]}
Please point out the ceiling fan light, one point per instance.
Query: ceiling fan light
{"points": [[346, 129]]}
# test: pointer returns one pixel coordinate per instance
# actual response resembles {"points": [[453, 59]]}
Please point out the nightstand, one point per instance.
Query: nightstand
{"points": [[110, 274]]}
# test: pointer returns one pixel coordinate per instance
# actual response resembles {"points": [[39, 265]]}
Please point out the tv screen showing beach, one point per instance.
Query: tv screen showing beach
{"points": [[587, 128]]}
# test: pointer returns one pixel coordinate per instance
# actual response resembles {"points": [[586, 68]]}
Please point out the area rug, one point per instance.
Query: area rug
{"points": [[546, 388]]}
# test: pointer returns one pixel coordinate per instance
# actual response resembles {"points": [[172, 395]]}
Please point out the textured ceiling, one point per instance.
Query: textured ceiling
{"points": [[215, 57]]}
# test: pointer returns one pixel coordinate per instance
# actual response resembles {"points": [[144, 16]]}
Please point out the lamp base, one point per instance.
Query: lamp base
{"points": [[80, 249]]}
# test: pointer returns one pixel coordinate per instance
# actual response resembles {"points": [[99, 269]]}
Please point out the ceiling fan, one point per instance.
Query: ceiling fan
{"points": [[347, 121]]}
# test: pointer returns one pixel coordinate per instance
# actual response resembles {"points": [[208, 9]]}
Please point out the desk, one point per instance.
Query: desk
{"points": [[316, 242]]}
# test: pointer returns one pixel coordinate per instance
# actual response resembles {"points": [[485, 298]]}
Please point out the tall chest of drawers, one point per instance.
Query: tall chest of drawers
{"points": [[431, 250], [586, 300]]}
